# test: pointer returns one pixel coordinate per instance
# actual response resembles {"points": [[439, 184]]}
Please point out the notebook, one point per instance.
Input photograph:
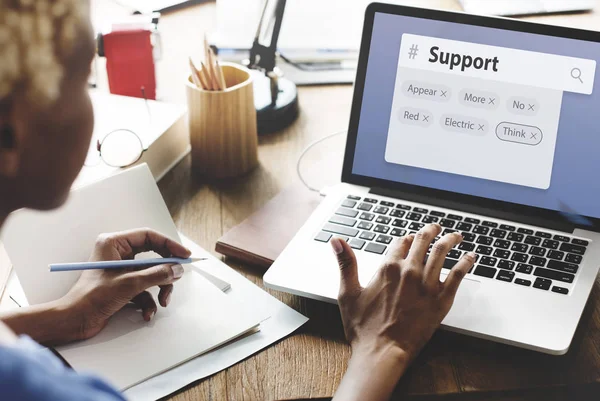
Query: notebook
{"points": [[128, 351]]}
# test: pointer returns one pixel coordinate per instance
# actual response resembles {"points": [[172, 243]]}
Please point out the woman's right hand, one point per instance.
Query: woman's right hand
{"points": [[390, 321]]}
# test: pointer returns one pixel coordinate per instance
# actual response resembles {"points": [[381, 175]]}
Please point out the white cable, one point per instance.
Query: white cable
{"points": [[305, 151]]}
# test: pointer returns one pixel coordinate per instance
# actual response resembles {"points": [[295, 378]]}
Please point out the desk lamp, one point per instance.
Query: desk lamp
{"points": [[275, 97]]}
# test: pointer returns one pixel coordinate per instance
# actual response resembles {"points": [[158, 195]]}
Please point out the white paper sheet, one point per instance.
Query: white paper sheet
{"points": [[284, 321]]}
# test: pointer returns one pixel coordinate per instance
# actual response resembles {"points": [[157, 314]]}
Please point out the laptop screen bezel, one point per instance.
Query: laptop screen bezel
{"points": [[457, 198]]}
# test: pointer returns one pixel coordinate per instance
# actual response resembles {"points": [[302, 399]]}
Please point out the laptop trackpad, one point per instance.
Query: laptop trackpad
{"points": [[465, 296]]}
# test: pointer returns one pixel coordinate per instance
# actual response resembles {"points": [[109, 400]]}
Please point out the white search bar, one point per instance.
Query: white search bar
{"points": [[521, 67]]}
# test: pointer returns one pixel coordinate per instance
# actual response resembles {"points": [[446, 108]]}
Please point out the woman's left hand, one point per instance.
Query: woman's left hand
{"points": [[99, 294]]}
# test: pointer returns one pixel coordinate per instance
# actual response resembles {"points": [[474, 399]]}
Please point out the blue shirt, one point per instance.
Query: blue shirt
{"points": [[29, 372]]}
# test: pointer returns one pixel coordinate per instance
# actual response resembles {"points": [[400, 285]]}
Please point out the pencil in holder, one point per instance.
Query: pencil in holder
{"points": [[223, 131]]}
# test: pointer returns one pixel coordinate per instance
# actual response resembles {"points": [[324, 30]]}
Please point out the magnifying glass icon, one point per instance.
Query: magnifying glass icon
{"points": [[576, 74]]}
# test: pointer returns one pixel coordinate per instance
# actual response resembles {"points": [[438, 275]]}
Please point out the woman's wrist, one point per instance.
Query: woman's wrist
{"points": [[51, 323]]}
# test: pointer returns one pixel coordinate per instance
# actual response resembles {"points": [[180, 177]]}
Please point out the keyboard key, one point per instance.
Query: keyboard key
{"points": [[481, 230], [519, 248], [384, 239], [344, 221], [560, 290], [370, 200], [349, 203], [365, 206], [521, 281], [488, 261], [454, 217], [489, 224], [482, 239], [398, 232], [519, 257], [498, 233], [367, 216], [542, 283], [357, 243], [537, 251], [323, 237], [380, 228], [579, 242], [448, 231], [472, 220], [466, 246], [381, 210], [548, 243], [525, 231], [573, 258], [383, 220], [485, 271], [468, 237], [353, 197], [505, 275], [342, 211], [367, 235], [464, 226], [561, 238], [403, 207], [386, 203], [375, 248], [397, 213], [557, 255], [365, 225], [533, 240], [414, 216], [506, 264], [576, 249], [454, 254], [507, 227], [515, 237], [342, 237], [501, 253], [430, 219], [437, 214], [502, 244], [524, 268], [543, 234], [416, 226], [563, 266], [420, 210], [537, 261], [447, 223], [399, 223], [554, 275], [347, 231], [483, 250]]}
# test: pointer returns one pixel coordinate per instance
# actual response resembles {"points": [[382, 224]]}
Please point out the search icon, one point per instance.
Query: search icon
{"points": [[576, 74]]}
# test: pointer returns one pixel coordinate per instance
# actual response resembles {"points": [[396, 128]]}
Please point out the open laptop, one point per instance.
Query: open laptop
{"points": [[487, 126]]}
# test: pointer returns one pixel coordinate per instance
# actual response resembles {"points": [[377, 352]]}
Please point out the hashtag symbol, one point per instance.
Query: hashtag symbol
{"points": [[413, 51]]}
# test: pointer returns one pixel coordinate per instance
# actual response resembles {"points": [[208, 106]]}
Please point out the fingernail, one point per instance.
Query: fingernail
{"points": [[168, 300], [336, 243], [472, 255], [152, 315], [177, 271]]}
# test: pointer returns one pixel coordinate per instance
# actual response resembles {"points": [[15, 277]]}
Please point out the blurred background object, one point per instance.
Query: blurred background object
{"points": [[525, 7]]}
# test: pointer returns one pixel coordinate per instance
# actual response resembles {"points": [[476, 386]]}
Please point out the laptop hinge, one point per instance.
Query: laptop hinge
{"points": [[558, 225]]}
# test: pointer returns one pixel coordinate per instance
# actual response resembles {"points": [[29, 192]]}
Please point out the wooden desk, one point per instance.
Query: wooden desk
{"points": [[311, 363]]}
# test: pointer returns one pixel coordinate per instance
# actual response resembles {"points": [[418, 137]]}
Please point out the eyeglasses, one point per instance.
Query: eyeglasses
{"points": [[119, 148]]}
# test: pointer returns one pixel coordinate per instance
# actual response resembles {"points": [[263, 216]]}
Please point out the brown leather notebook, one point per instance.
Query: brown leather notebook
{"points": [[246, 242]]}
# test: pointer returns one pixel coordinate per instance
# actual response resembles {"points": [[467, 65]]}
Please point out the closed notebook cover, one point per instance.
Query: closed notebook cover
{"points": [[260, 238]]}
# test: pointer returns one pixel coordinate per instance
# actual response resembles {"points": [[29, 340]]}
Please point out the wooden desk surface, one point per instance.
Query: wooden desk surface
{"points": [[311, 363]]}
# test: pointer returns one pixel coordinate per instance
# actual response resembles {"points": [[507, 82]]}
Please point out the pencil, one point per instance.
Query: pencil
{"points": [[220, 75], [207, 77], [120, 264], [195, 75]]}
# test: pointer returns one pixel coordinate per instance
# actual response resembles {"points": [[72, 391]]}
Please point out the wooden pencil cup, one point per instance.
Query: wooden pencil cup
{"points": [[223, 131]]}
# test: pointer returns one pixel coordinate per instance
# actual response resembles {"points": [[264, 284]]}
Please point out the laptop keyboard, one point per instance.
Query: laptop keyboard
{"points": [[505, 252]]}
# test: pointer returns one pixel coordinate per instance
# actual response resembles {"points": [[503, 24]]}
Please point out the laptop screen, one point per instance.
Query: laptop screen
{"points": [[500, 114]]}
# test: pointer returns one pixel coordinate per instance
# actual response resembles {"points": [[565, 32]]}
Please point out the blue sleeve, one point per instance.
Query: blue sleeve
{"points": [[29, 372]]}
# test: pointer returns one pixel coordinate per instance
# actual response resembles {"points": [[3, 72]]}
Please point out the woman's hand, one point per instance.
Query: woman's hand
{"points": [[99, 294], [390, 321]]}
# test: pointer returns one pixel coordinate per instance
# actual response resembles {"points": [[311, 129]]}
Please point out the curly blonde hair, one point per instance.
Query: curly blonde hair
{"points": [[36, 37]]}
